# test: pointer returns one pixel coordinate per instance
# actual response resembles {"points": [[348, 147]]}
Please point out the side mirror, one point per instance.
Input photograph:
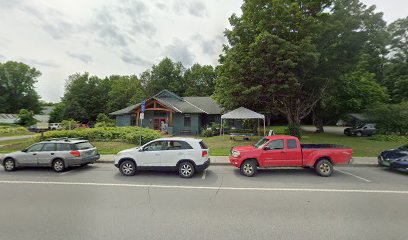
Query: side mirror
{"points": [[24, 150], [267, 148]]}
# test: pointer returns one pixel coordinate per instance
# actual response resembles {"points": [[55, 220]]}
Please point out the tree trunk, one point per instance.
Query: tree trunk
{"points": [[318, 123]]}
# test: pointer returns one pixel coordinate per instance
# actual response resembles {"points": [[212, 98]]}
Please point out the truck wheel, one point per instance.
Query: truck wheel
{"points": [[128, 168], [324, 168], [359, 134], [186, 170], [9, 165], [249, 168]]}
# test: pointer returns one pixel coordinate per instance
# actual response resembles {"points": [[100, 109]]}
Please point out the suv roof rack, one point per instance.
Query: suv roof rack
{"points": [[66, 139]]}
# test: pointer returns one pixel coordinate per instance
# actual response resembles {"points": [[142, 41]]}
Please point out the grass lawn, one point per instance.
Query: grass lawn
{"points": [[221, 145]]}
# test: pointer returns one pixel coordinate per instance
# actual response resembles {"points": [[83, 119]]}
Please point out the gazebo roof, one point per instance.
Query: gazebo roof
{"points": [[242, 113]]}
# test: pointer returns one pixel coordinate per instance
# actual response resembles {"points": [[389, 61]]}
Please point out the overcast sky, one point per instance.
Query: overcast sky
{"points": [[105, 37]]}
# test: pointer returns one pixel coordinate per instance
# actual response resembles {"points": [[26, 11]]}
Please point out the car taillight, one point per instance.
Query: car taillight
{"points": [[204, 153], [75, 153]]}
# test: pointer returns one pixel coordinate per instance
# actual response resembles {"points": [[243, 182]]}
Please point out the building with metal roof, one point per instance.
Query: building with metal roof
{"points": [[171, 113]]}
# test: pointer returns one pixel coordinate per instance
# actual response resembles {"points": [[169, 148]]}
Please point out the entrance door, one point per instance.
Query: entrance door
{"points": [[158, 123]]}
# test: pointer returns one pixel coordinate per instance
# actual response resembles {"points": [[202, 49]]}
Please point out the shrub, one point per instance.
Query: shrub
{"points": [[391, 118], [294, 130], [69, 124], [125, 134], [12, 130], [206, 132], [102, 120], [390, 138]]}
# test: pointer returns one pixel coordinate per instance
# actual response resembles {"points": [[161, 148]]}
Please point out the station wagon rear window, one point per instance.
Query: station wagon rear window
{"points": [[84, 145]]}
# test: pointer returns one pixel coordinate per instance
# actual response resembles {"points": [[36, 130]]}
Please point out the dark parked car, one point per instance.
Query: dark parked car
{"points": [[363, 130], [394, 158]]}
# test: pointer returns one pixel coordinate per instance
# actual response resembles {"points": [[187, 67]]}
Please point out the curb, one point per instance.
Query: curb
{"points": [[228, 164]]}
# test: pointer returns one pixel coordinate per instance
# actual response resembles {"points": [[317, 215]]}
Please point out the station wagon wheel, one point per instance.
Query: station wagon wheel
{"points": [[249, 168], [9, 165], [186, 170], [128, 168], [324, 168], [58, 165]]}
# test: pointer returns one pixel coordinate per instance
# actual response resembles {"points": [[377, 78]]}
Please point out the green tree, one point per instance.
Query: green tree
{"points": [[200, 80], [125, 91], [57, 114], [165, 75], [396, 71], [272, 58], [85, 97], [26, 118], [17, 87]]}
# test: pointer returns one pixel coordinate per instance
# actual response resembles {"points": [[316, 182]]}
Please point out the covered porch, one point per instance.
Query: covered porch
{"points": [[157, 116]]}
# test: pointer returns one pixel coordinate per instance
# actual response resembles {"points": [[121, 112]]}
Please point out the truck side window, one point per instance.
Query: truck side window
{"points": [[274, 145], [292, 144]]}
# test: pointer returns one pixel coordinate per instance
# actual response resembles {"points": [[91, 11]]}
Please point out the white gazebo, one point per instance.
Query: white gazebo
{"points": [[243, 113]]}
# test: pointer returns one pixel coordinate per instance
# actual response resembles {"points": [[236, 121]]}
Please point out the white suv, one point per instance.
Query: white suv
{"points": [[185, 155]]}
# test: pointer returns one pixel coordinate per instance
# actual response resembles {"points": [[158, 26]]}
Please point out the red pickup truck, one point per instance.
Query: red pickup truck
{"points": [[286, 151]]}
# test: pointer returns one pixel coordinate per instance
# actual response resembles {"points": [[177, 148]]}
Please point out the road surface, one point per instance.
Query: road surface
{"points": [[96, 202]]}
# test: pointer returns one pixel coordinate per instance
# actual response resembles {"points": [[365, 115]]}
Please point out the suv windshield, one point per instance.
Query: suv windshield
{"points": [[261, 142]]}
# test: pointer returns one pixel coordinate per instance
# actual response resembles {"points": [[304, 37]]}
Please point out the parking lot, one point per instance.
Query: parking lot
{"points": [[98, 202]]}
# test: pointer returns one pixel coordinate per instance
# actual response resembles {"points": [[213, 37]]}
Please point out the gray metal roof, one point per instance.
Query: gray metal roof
{"points": [[180, 104], [242, 113], [13, 118]]}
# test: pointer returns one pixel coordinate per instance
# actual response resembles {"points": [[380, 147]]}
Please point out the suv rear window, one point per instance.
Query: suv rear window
{"points": [[84, 145], [203, 145]]}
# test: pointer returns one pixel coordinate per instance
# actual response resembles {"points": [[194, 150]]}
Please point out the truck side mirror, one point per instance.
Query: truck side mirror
{"points": [[267, 148]]}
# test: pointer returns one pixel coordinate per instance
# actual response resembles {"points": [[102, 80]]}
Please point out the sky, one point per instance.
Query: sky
{"points": [[106, 37]]}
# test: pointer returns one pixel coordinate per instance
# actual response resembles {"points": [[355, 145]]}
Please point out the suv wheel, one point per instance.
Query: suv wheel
{"points": [[186, 170], [9, 165], [324, 168], [58, 165], [128, 168], [249, 168]]}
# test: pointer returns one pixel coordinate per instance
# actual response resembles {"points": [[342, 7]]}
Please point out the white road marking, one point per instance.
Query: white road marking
{"points": [[348, 173], [209, 188], [204, 173]]}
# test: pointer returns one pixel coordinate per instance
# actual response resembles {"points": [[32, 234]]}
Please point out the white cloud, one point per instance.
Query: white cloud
{"points": [[105, 37]]}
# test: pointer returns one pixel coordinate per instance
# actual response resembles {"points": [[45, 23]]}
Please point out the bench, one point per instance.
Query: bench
{"points": [[244, 136]]}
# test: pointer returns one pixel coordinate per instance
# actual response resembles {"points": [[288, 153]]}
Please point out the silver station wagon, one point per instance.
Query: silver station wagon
{"points": [[58, 153]]}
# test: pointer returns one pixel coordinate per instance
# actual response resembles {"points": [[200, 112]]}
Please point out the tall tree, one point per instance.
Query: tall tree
{"points": [[85, 97], [352, 41], [17, 88], [125, 90], [396, 78], [272, 57], [200, 80], [165, 75]]}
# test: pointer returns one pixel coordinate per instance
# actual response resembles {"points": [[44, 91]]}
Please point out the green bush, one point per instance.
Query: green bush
{"points": [[390, 119], [12, 130], [294, 130], [69, 124], [123, 134], [206, 133], [390, 138]]}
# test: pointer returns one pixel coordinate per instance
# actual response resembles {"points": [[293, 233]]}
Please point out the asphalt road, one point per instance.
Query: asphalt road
{"points": [[96, 202]]}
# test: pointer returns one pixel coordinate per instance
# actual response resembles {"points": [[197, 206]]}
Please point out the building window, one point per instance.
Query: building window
{"points": [[187, 120]]}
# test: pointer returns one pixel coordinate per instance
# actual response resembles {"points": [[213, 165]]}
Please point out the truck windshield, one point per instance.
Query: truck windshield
{"points": [[261, 142]]}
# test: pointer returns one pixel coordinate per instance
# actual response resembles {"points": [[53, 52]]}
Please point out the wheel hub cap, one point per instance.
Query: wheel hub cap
{"points": [[324, 168], [248, 169], [9, 165], [127, 168], [186, 170], [58, 166]]}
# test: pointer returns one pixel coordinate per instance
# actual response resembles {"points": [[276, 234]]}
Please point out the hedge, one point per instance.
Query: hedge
{"points": [[16, 130], [104, 134]]}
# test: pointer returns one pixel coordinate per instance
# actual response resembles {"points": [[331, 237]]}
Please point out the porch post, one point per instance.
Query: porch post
{"points": [[137, 118], [171, 119], [264, 127]]}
